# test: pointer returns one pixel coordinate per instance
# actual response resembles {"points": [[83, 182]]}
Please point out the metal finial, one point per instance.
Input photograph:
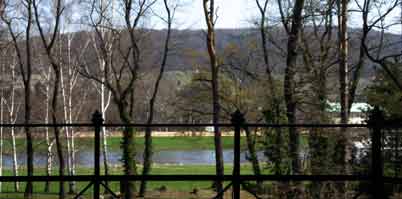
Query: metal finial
{"points": [[376, 116], [237, 117], [97, 117]]}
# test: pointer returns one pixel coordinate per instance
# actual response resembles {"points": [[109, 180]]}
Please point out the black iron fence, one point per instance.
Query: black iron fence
{"points": [[375, 177]]}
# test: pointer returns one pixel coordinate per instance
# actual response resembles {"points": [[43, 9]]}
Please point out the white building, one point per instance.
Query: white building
{"points": [[357, 112]]}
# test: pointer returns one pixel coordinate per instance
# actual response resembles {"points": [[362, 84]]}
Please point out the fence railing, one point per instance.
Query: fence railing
{"points": [[376, 177]]}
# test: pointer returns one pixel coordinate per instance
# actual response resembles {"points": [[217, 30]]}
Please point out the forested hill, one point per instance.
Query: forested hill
{"points": [[180, 99], [188, 47], [189, 43]]}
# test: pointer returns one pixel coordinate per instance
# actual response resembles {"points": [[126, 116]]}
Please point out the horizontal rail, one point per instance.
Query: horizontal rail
{"points": [[200, 125], [392, 180], [194, 178]]}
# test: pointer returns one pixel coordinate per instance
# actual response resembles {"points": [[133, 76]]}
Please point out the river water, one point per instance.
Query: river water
{"points": [[181, 157]]}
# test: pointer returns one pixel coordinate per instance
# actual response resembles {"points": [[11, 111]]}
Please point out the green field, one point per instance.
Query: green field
{"points": [[159, 143], [8, 188]]}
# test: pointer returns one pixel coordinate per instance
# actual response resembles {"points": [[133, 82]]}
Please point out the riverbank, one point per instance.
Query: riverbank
{"points": [[159, 143], [114, 143]]}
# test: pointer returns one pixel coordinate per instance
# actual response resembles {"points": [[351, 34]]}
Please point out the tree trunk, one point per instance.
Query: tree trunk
{"points": [[49, 154], [25, 71], [49, 157], [342, 152], [67, 132], [13, 119], [57, 74], [253, 155], [289, 83], [26, 76], [129, 153], [104, 107], [15, 160], [275, 102], [29, 186], [343, 59], [1, 139], [71, 84], [56, 130], [209, 13], [148, 150], [318, 141]]}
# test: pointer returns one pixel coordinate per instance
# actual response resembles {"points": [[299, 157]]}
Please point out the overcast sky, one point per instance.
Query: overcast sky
{"points": [[231, 14], [239, 14]]}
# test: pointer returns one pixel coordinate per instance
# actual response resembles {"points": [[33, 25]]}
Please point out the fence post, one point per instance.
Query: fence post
{"points": [[97, 121], [376, 121], [237, 121]]}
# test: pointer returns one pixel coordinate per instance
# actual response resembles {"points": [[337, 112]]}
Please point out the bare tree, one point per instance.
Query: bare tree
{"points": [[342, 7], [101, 20], [48, 44], [25, 67], [69, 82], [319, 58], [2, 119], [210, 19], [13, 112], [122, 86], [148, 131], [342, 150], [388, 60], [290, 72], [275, 102], [47, 75]]}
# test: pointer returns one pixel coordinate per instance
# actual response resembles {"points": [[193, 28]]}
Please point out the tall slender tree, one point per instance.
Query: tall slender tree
{"points": [[102, 19], [13, 115], [122, 86], [48, 42], [25, 66], [289, 87], [47, 75], [148, 150], [342, 151], [385, 61], [275, 102], [210, 19], [319, 58]]}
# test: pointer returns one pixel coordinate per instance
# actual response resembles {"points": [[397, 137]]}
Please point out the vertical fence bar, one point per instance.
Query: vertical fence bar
{"points": [[237, 121], [97, 120], [376, 124]]}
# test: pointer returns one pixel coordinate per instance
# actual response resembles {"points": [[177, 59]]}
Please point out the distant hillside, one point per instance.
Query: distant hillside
{"points": [[189, 47], [187, 41], [240, 47]]}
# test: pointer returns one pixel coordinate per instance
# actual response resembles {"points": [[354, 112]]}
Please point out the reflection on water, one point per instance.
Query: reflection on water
{"points": [[86, 158]]}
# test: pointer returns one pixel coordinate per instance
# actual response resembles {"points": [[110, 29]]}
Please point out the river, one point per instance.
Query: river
{"points": [[180, 157]]}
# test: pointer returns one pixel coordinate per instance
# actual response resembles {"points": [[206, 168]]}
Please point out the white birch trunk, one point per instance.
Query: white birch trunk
{"points": [[105, 100], [12, 119], [72, 77], [104, 107], [66, 129], [48, 142]]}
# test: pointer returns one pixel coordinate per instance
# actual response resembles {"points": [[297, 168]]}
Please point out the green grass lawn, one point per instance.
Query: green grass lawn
{"points": [[185, 186], [159, 143]]}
